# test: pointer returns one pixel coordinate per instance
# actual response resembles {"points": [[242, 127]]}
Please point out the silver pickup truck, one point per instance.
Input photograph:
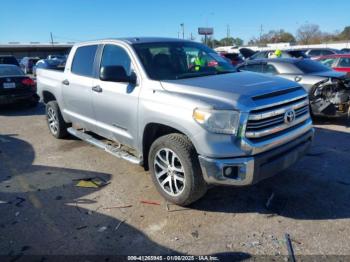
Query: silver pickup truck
{"points": [[180, 110]]}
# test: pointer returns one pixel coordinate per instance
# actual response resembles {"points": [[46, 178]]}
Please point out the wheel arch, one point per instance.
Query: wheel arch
{"points": [[151, 132]]}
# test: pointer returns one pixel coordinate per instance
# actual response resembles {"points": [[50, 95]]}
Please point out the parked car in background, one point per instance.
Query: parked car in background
{"points": [[27, 64], [9, 60], [234, 58], [285, 54], [339, 62], [345, 50], [179, 109], [57, 57], [15, 86], [329, 91], [314, 53], [53, 64]]}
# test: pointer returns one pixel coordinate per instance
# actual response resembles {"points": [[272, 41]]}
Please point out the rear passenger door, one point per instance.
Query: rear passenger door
{"points": [[77, 85], [116, 103]]}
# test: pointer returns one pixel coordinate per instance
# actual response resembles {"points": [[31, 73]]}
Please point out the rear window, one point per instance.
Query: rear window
{"points": [[83, 62], [309, 66], [298, 54], [10, 71], [8, 60]]}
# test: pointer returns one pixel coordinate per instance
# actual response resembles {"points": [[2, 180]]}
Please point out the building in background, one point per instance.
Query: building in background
{"points": [[35, 49]]}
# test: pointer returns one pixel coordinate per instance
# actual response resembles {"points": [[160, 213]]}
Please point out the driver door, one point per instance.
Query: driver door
{"points": [[116, 103]]}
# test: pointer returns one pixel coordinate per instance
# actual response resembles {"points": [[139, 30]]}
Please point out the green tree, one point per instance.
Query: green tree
{"points": [[345, 34], [230, 41]]}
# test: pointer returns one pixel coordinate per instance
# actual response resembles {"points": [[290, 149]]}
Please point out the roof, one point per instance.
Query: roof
{"points": [[136, 40], [334, 56], [278, 60]]}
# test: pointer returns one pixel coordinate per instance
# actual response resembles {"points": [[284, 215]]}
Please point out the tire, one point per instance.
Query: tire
{"points": [[173, 161], [56, 124]]}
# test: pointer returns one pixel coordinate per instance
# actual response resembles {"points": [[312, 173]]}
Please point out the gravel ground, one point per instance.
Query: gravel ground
{"points": [[44, 213]]}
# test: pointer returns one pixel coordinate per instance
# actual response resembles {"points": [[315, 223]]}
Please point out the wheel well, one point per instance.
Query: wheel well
{"points": [[48, 96], [151, 133]]}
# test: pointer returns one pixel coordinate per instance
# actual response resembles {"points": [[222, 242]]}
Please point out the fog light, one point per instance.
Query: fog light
{"points": [[230, 172]]}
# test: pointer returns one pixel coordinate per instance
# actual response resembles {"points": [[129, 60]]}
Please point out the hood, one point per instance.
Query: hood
{"points": [[234, 88], [330, 73]]}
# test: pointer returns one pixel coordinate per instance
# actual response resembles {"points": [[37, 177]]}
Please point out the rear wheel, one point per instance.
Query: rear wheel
{"points": [[175, 169], [56, 124]]}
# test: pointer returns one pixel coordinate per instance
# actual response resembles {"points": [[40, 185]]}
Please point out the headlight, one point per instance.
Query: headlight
{"points": [[217, 121]]}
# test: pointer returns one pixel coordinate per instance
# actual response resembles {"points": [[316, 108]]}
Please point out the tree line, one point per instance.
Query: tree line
{"points": [[305, 35]]}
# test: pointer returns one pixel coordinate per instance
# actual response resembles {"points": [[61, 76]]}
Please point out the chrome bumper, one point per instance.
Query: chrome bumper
{"points": [[250, 170]]}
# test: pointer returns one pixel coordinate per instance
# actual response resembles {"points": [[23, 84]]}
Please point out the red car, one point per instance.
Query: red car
{"points": [[338, 62]]}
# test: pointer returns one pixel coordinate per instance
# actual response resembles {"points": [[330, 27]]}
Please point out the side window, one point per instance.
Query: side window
{"points": [[269, 69], [114, 55], [327, 52], [83, 61], [344, 62], [315, 52], [253, 67]]}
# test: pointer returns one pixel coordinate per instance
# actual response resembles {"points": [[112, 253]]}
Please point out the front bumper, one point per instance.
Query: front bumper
{"points": [[14, 98], [250, 170]]}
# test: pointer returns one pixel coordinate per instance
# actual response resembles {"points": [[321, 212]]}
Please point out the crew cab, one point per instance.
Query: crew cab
{"points": [[180, 110]]}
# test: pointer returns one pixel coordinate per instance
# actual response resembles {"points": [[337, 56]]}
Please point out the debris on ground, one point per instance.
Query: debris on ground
{"points": [[289, 248], [19, 201], [82, 227], [58, 197], [93, 182], [150, 202], [17, 214], [116, 228], [276, 204], [195, 234], [268, 202], [102, 229], [25, 248], [125, 206]]}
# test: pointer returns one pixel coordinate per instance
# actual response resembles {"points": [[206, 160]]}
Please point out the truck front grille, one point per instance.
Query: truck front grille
{"points": [[271, 121]]}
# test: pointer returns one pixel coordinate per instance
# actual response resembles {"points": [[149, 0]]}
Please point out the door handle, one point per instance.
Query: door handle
{"points": [[97, 89], [65, 82]]}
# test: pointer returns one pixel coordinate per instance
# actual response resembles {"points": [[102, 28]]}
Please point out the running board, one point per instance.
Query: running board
{"points": [[115, 151]]}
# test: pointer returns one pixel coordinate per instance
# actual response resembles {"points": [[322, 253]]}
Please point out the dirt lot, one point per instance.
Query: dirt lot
{"points": [[43, 212]]}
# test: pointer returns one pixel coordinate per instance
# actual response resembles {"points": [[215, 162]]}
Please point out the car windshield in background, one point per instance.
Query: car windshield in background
{"points": [[177, 60], [10, 71], [309, 66], [297, 54], [8, 60]]}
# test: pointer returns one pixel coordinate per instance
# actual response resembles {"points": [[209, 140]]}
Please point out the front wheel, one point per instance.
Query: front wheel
{"points": [[175, 169], [55, 121]]}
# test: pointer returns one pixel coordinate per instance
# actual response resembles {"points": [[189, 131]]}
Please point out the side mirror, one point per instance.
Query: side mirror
{"points": [[116, 74]]}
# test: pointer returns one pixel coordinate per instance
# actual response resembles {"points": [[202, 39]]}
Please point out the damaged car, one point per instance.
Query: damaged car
{"points": [[329, 91]]}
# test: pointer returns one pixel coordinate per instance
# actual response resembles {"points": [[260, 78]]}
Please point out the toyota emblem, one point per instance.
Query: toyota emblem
{"points": [[289, 116]]}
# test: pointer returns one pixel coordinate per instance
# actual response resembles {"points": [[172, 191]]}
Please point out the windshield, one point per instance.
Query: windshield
{"points": [[177, 60], [309, 66], [10, 71]]}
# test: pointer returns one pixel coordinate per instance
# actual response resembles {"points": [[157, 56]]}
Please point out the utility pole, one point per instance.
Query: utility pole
{"points": [[261, 30], [227, 34], [51, 38], [183, 30]]}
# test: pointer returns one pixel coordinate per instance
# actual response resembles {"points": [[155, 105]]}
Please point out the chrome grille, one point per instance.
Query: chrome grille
{"points": [[272, 120]]}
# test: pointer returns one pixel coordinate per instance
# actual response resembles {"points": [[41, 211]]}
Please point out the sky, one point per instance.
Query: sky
{"points": [[81, 20]]}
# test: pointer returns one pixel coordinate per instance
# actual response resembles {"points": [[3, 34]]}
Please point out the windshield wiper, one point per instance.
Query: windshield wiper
{"points": [[226, 72], [189, 75]]}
